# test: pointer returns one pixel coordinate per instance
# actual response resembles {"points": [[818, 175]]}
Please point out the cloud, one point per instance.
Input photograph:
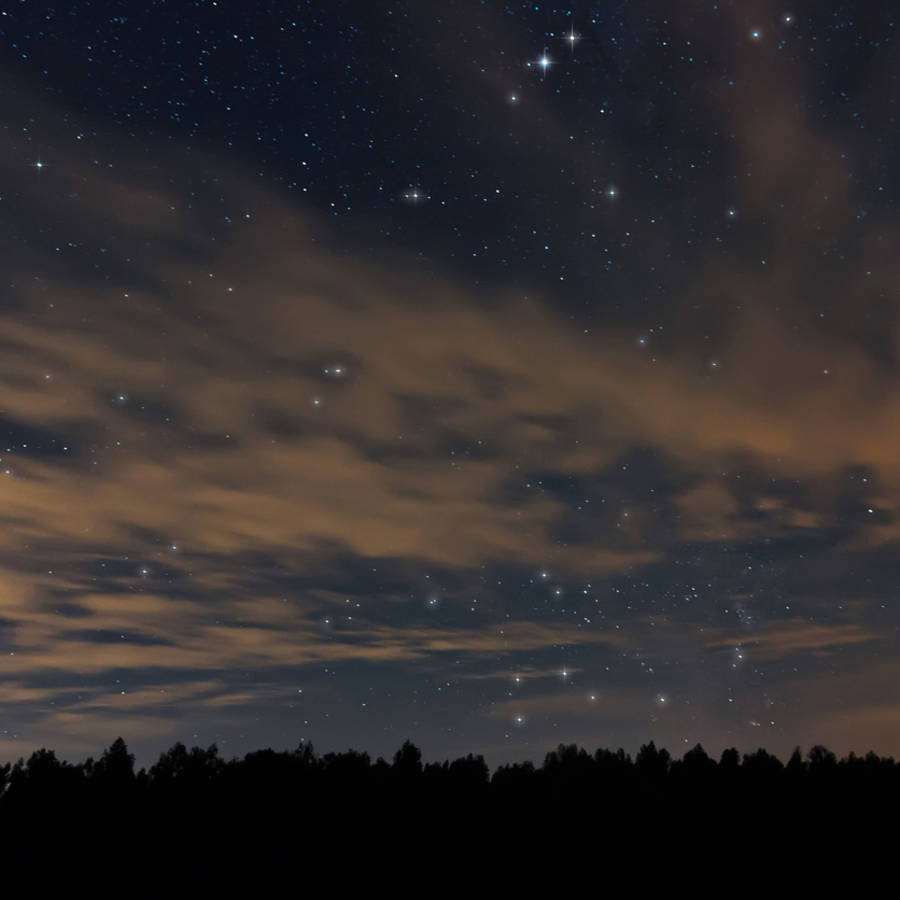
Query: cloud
{"points": [[406, 453], [190, 645], [787, 637], [174, 343]]}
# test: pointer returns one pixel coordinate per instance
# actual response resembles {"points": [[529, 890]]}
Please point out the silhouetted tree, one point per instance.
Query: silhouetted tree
{"points": [[796, 767], [651, 762], [729, 761], [761, 764], [470, 770], [115, 768], [820, 759], [697, 764], [408, 761], [196, 813]]}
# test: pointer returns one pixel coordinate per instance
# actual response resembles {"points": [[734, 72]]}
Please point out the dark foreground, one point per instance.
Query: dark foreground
{"points": [[272, 824]]}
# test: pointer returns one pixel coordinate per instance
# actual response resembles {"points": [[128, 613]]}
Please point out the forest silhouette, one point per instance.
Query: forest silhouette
{"points": [[266, 817]]}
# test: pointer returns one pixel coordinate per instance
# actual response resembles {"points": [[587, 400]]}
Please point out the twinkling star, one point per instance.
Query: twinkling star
{"points": [[543, 63]]}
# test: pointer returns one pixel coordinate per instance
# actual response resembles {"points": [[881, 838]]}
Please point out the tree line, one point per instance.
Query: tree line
{"points": [[218, 820]]}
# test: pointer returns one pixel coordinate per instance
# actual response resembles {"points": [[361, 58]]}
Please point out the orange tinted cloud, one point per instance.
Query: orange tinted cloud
{"points": [[197, 412]]}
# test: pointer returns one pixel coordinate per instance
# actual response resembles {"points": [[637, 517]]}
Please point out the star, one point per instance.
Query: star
{"points": [[543, 62], [755, 34], [415, 195]]}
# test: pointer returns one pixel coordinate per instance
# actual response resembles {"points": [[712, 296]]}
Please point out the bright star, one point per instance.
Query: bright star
{"points": [[756, 34], [543, 63]]}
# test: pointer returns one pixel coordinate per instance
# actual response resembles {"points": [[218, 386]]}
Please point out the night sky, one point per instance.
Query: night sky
{"points": [[487, 374]]}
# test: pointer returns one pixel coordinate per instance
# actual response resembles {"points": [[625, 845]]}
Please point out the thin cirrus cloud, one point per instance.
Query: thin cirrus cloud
{"points": [[788, 637]]}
